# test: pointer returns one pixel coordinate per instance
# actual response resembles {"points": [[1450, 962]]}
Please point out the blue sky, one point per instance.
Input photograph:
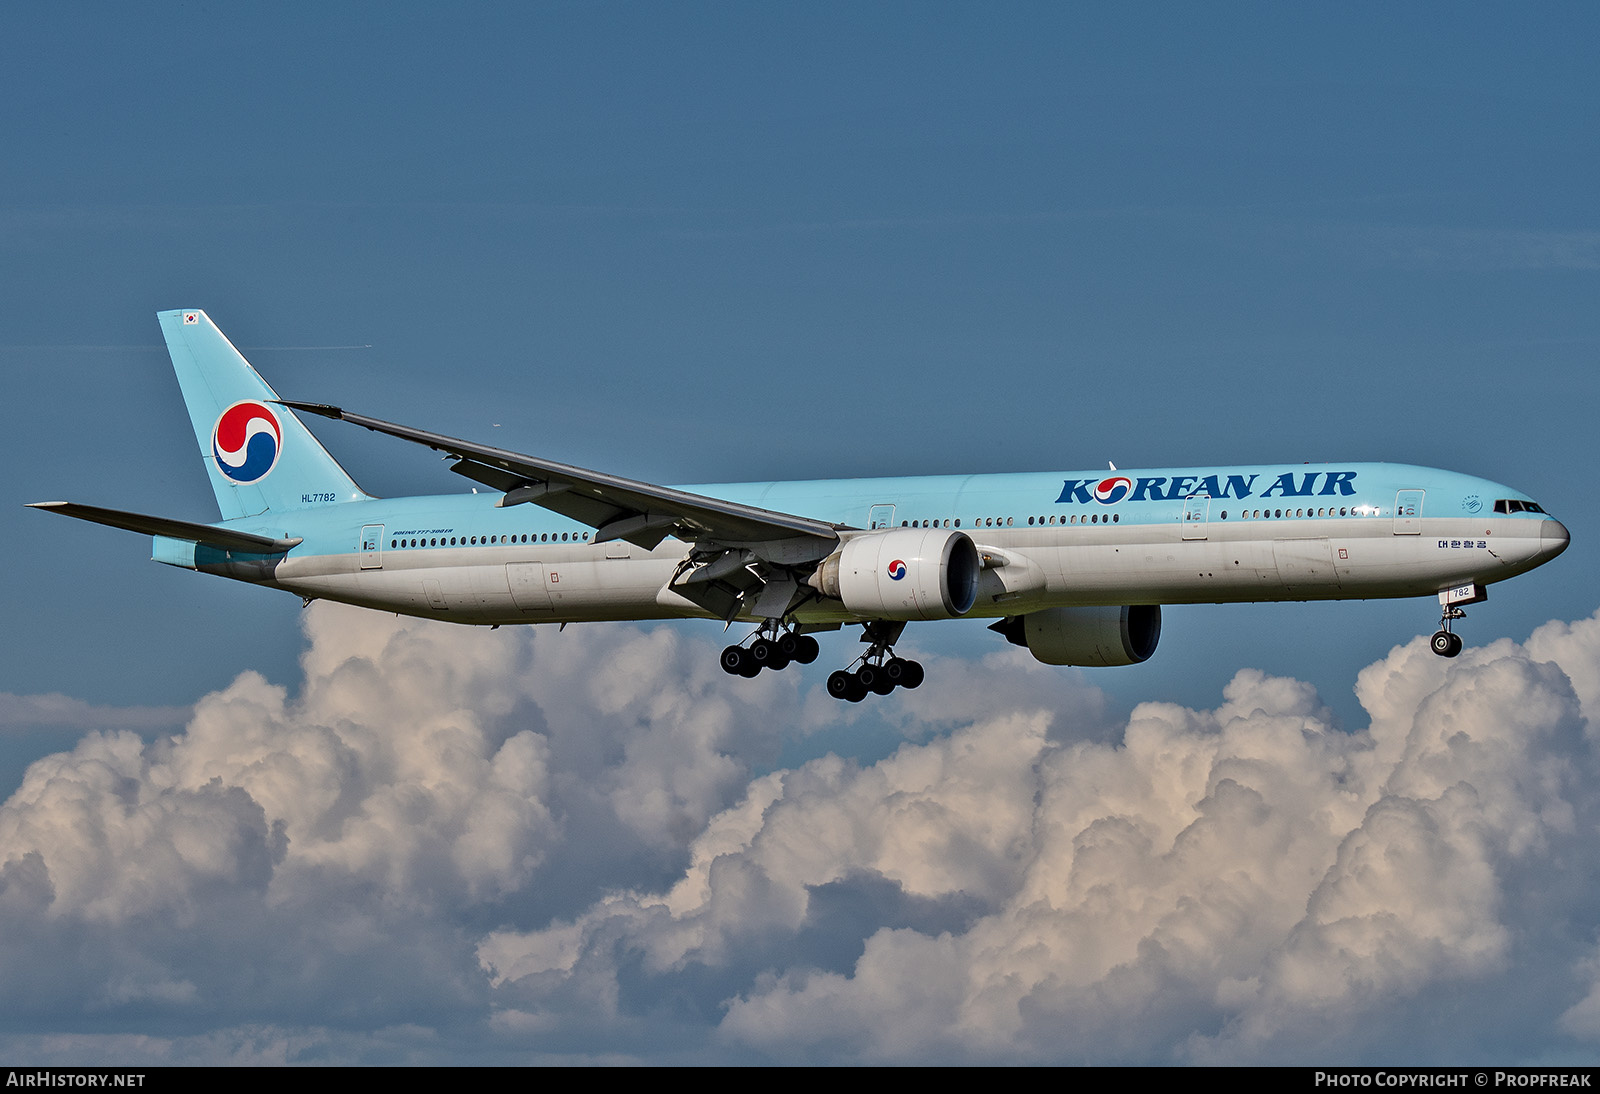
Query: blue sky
{"points": [[709, 242]]}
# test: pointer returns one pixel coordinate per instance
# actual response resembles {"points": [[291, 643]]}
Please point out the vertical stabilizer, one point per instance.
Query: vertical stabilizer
{"points": [[256, 452]]}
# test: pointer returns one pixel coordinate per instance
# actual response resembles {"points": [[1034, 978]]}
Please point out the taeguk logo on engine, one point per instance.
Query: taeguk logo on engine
{"points": [[1112, 490], [897, 570], [246, 441]]}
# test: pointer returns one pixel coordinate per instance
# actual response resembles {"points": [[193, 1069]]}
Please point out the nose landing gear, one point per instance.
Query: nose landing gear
{"points": [[1445, 642]]}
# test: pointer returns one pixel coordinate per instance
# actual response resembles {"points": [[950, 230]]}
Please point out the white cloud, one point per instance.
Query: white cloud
{"points": [[550, 844], [339, 841], [1232, 884]]}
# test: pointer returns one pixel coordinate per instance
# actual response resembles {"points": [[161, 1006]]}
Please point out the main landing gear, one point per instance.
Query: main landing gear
{"points": [[774, 648], [1445, 642], [880, 671]]}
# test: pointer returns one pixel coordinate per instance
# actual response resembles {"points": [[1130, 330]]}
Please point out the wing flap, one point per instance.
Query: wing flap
{"points": [[496, 478]]}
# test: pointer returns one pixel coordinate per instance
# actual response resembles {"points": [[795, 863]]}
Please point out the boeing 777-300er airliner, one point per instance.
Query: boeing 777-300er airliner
{"points": [[1074, 566]]}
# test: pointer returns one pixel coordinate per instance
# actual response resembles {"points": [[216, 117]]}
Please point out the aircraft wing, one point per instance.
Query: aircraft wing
{"points": [[618, 508], [208, 534]]}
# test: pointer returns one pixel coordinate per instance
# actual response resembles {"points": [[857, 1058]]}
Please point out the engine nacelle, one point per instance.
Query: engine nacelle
{"points": [[906, 573], [1098, 636]]}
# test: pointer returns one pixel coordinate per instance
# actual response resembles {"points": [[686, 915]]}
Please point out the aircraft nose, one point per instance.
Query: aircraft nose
{"points": [[1553, 538]]}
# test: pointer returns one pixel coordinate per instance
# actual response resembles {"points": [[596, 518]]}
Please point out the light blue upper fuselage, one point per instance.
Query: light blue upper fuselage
{"points": [[970, 502]]}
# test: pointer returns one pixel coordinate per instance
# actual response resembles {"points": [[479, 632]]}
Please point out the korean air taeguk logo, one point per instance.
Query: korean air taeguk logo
{"points": [[897, 570], [1112, 490], [246, 441]]}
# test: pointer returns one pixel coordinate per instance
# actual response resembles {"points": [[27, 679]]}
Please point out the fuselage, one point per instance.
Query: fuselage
{"points": [[1164, 536]]}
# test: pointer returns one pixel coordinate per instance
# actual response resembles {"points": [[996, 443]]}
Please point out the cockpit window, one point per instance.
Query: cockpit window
{"points": [[1516, 505]]}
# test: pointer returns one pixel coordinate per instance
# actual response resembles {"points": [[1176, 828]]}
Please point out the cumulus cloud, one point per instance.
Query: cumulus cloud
{"points": [[1242, 883], [338, 844], [521, 844]]}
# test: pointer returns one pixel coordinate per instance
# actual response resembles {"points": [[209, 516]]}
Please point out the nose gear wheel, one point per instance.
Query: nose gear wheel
{"points": [[1445, 642]]}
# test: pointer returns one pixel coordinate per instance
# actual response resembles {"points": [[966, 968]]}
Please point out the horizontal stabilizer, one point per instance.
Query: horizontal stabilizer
{"points": [[208, 534]]}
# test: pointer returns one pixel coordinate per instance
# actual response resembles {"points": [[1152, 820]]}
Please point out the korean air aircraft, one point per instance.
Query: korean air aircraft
{"points": [[1072, 565]]}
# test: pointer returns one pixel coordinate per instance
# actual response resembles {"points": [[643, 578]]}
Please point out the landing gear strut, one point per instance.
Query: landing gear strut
{"points": [[1445, 642], [879, 671], [775, 647]]}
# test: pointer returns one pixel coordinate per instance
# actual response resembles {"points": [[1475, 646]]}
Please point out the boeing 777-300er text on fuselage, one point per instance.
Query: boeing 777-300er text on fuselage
{"points": [[1074, 566]]}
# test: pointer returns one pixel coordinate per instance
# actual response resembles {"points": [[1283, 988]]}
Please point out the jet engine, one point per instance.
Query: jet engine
{"points": [[1095, 636], [906, 573]]}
